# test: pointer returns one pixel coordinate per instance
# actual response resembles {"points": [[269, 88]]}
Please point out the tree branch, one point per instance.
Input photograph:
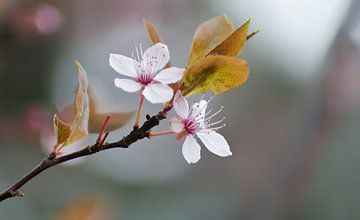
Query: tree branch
{"points": [[135, 135]]}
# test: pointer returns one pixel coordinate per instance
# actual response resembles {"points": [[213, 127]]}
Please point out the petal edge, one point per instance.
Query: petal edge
{"points": [[215, 143], [158, 93], [191, 150], [127, 85]]}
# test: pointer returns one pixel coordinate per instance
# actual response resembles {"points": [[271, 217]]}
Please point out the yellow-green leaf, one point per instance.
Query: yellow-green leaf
{"points": [[215, 73], [79, 126], [153, 34], [208, 36], [61, 130], [234, 44]]}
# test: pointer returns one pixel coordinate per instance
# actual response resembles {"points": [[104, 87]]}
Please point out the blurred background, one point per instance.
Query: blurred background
{"points": [[293, 127]]}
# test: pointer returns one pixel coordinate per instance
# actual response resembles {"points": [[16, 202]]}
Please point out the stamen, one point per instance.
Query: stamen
{"points": [[202, 108], [209, 99], [137, 53], [145, 78], [216, 113], [192, 125], [202, 97], [215, 123], [135, 63], [217, 128], [141, 50], [207, 113]]}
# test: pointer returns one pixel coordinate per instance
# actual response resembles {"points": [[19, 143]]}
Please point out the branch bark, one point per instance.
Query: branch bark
{"points": [[135, 135]]}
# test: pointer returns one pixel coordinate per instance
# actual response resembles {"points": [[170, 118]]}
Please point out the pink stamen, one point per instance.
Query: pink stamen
{"points": [[190, 126], [145, 78]]}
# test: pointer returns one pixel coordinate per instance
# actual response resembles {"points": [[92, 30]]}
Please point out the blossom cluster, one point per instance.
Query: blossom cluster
{"points": [[148, 75], [212, 66]]}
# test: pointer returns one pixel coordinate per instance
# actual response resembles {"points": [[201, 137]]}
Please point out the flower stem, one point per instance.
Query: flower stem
{"points": [[159, 133], [103, 128], [138, 114]]}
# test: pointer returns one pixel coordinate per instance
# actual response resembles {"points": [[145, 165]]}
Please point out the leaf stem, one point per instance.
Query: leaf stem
{"points": [[252, 34]]}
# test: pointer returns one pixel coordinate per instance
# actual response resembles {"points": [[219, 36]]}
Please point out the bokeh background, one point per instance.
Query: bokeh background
{"points": [[293, 127]]}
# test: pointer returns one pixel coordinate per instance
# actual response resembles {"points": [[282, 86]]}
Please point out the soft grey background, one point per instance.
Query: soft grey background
{"points": [[293, 127]]}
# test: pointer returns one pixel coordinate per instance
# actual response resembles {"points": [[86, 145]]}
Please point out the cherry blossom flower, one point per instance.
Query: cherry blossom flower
{"points": [[144, 69], [196, 122]]}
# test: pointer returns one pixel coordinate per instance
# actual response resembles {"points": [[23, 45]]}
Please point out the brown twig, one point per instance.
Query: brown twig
{"points": [[135, 135]]}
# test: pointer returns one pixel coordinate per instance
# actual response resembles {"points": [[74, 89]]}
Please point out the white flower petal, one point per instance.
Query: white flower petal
{"points": [[176, 125], [181, 106], [216, 143], [198, 109], [158, 93], [123, 65], [191, 150], [158, 55], [127, 84], [170, 75]]}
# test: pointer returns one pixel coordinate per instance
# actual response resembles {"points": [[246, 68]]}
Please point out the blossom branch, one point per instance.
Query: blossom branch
{"points": [[135, 135]]}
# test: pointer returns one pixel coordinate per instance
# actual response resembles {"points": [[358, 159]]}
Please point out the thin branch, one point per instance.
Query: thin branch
{"points": [[135, 135]]}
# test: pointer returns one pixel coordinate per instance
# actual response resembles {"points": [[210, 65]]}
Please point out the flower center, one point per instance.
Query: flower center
{"points": [[190, 126], [200, 121], [145, 78]]}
